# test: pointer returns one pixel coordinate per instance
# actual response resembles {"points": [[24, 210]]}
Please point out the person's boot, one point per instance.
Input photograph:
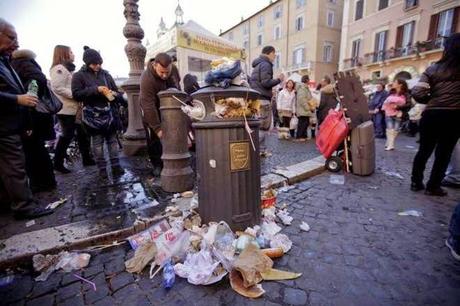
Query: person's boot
{"points": [[58, 162], [390, 140], [414, 186], [437, 192], [117, 170]]}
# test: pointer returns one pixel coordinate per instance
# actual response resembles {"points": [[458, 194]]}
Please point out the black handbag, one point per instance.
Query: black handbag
{"points": [[98, 118], [49, 103]]}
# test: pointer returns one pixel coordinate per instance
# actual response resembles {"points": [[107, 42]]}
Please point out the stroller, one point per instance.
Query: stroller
{"points": [[346, 136]]}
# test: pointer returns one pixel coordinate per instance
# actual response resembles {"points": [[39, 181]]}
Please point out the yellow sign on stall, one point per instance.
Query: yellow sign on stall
{"points": [[195, 41]]}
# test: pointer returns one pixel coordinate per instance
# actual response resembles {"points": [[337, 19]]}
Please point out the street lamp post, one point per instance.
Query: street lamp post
{"points": [[134, 137]]}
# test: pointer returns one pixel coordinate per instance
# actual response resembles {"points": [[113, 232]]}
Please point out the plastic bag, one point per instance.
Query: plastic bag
{"points": [[284, 217], [200, 269], [293, 123], [171, 243], [281, 241], [64, 260]]}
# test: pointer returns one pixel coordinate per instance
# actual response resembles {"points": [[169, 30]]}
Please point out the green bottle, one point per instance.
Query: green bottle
{"points": [[33, 88]]}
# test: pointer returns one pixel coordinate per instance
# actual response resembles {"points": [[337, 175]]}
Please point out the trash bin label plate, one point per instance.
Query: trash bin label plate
{"points": [[240, 158]]}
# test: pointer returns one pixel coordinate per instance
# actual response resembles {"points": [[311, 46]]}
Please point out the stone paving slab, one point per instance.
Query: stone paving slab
{"points": [[301, 171]]}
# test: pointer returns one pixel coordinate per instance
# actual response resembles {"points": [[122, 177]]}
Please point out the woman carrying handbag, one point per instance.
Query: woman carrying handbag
{"points": [[97, 90], [61, 80]]}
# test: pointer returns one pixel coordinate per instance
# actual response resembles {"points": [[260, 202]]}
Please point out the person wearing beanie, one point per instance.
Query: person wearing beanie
{"points": [[96, 88]]}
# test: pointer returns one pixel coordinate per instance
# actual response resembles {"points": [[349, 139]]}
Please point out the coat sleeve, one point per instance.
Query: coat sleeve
{"points": [[59, 77], [9, 98], [266, 76], [148, 100], [421, 92], [80, 91]]}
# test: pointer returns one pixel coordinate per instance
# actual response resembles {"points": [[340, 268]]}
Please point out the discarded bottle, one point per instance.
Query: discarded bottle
{"points": [[169, 276], [32, 89]]}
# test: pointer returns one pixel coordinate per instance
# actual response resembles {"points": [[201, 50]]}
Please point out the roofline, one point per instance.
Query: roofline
{"points": [[244, 20]]}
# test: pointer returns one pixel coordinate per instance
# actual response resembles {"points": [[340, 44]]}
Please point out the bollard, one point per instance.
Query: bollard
{"points": [[177, 175]]}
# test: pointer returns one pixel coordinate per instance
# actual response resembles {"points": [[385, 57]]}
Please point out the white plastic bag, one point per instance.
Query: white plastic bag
{"points": [[199, 269], [293, 123]]}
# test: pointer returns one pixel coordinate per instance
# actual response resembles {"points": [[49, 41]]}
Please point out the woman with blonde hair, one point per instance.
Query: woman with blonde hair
{"points": [[61, 80]]}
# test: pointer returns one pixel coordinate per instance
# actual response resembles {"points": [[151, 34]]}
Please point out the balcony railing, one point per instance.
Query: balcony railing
{"points": [[394, 53]]}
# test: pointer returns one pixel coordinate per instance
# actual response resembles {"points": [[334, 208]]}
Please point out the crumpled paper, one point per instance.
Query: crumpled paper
{"points": [[284, 217], [236, 281], [250, 264], [64, 260], [143, 255]]}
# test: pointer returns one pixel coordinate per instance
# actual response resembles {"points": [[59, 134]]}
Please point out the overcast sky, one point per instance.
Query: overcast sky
{"points": [[42, 24]]}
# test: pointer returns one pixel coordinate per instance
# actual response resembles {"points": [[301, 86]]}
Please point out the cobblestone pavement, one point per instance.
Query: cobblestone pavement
{"points": [[90, 198], [358, 252]]}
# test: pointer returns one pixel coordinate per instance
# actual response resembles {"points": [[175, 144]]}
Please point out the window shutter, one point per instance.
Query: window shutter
{"points": [[376, 44], [399, 37], [432, 32], [412, 32], [385, 35], [455, 25]]}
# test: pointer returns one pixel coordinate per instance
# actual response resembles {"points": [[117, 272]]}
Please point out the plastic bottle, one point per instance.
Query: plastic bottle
{"points": [[169, 276], [32, 89]]}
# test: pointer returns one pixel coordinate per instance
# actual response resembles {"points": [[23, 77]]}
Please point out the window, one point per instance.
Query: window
{"points": [[299, 23], [298, 56], [260, 21], [355, 51], [246, 29], [230, 36], [259, 39], [383, 4], [327, 53], [278, 11], [359, 8], [300, 3], [410, 4], [246, 45], [380, 46], [330, 18], [445, 24], [404, 38], [333, 1], [277, 32], [277, 62]]}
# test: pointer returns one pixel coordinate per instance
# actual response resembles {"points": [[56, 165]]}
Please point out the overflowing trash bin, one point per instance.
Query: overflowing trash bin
{"points": [[228, 161]]}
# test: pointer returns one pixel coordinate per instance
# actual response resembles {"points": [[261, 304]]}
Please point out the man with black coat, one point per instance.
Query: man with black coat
{"points": [[160, 75], [14, 105], [262, 81]]}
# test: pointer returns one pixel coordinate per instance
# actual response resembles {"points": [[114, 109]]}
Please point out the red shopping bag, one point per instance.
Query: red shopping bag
{"points": [[332, 132]]}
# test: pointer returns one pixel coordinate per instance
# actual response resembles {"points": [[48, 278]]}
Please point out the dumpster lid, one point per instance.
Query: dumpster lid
{"points": [[170, 91]]}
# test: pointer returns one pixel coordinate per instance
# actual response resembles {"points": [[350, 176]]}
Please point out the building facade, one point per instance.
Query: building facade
{"points": [[387, 38], [305, 33]]}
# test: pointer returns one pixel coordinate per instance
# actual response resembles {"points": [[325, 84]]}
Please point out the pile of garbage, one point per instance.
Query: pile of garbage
{"points": [[224, 72], [236, 108], [205, 253]]}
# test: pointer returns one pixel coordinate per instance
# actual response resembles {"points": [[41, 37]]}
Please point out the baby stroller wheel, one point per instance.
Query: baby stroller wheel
{"points": [[334, 164]]}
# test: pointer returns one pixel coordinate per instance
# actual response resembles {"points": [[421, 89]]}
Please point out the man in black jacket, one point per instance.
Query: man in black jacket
{"points": [[13, 104], [262, 80], [160, 75]]}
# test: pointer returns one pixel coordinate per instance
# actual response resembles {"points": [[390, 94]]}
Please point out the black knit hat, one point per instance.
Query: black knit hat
{"points": [[91, 56]]}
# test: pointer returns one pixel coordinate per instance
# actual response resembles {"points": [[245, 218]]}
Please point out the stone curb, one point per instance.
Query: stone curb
{"points": [[18, 249]]}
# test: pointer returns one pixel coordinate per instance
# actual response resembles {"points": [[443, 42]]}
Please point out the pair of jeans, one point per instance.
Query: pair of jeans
{"points": [[454, 226], [14, 187], [379, 124], [439, 132], [453, 170], [302, 126], [393, 123], [111, 142]]}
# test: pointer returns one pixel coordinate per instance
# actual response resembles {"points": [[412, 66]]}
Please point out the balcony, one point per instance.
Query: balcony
{"points": [[397, 53], [353, 62]]}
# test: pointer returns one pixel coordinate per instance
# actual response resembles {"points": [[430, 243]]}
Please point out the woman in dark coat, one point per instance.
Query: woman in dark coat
{"points": [[39, 167], [439, 89]]}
